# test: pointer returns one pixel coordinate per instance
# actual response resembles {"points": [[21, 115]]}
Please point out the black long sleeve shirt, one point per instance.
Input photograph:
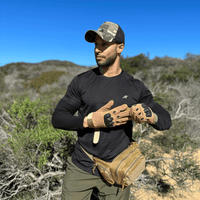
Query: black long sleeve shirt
{"points": [[87, 93]]}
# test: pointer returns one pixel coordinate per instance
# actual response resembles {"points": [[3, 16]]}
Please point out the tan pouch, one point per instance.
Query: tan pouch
{"points": [[125, 167]]}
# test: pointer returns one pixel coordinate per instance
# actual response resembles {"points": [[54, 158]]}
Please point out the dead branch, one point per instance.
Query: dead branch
{"points": [[185, 109]]}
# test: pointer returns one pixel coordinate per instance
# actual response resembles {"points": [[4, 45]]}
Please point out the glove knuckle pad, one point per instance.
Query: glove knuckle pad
{"points": [[108, 120]]}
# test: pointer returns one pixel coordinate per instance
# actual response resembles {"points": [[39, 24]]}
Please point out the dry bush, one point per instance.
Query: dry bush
{"points": [[33, 154], [171, 153]]}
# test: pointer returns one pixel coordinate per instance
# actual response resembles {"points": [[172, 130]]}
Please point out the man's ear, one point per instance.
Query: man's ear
{"points": [[120, 48]]}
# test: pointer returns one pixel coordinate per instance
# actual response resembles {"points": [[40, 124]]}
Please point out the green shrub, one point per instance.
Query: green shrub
{"points": [[197, 70], [34, 157], [158, 61], [33, 131], [46, 78], [181, 74], [170, 78], [167, 99], [134, 64]]}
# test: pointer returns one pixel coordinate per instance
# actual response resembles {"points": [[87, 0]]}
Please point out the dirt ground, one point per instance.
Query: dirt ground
{"points": [[142, 195], [181, 195]]}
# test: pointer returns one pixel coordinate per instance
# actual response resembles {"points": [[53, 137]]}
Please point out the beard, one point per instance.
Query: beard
{"points": [[109, 61]]}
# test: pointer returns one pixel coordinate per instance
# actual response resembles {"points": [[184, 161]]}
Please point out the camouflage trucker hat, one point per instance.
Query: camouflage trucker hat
{"points": [[108, 31]]}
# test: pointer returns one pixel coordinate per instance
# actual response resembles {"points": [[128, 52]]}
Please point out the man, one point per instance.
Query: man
{"points": [[107, 100]]}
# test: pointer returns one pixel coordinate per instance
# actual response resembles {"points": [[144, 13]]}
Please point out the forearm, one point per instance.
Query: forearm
{"points": [[164, 119], [66, 121], [63, 117]]}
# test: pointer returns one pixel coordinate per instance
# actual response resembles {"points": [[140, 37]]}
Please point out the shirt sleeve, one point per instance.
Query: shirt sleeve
{"points": [[63, 115], [164, 119]]}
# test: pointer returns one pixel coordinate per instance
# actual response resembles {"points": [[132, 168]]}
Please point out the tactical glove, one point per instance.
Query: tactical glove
{"points": [[104, 117], [142, 113]]}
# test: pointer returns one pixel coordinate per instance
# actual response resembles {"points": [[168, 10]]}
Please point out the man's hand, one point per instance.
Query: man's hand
{"points": [[104, 117], [142, 113]]}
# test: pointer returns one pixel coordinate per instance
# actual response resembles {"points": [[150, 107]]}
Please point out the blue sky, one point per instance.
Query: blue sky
{"points": [[38, 30]]}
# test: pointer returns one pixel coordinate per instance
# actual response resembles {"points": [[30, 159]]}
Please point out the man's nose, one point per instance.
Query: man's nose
{"points": [[97, 50]]}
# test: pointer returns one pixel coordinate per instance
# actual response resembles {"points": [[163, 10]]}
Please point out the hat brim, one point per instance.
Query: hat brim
{"points": [[90, 36]]}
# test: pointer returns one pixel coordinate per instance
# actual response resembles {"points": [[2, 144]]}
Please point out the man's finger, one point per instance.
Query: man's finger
{"points": [[120, 123], [107, 106], [119, 109], [123, 114], [125, 119]]}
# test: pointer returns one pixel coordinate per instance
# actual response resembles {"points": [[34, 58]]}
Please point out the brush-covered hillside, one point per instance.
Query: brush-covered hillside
{"points": [[33, 154], [29, 76]]}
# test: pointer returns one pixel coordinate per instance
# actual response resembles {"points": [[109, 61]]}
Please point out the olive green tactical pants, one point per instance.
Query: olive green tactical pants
{"points": [[78, 185]]}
